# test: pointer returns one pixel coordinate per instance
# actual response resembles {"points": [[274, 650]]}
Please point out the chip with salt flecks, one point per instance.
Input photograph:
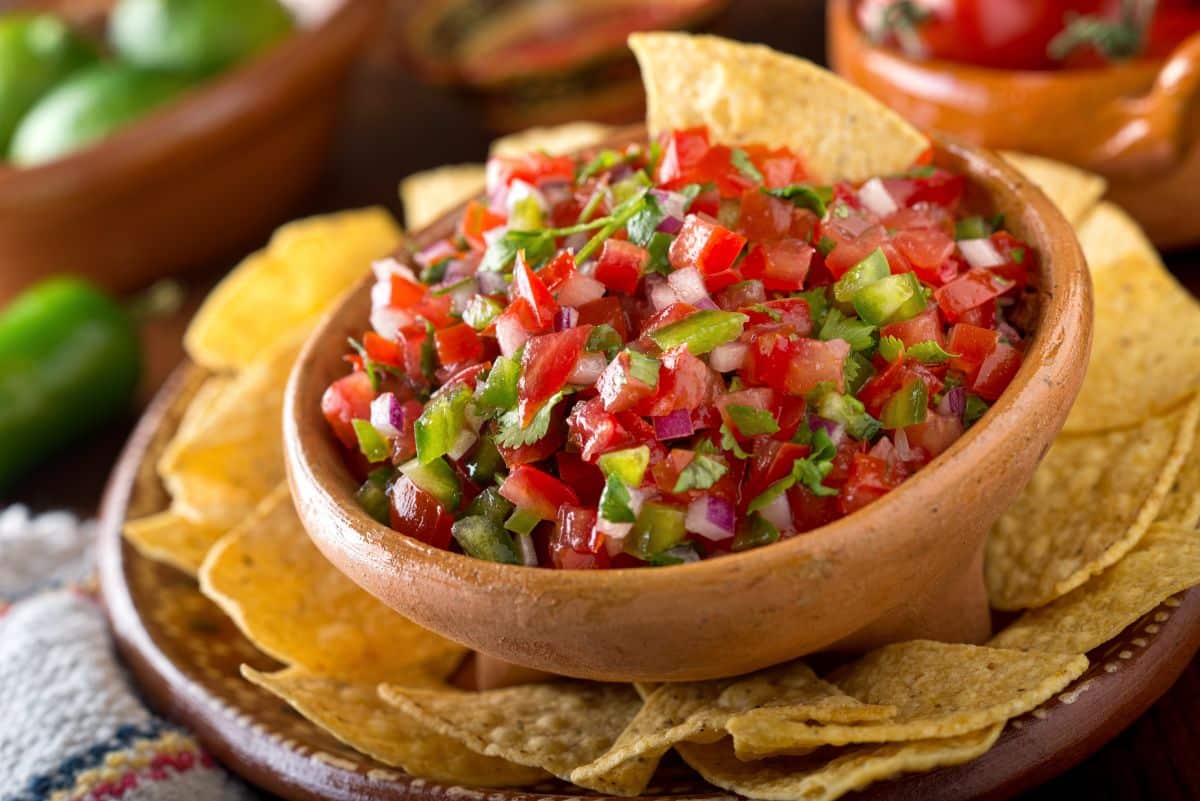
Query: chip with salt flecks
{"points": [[293, 604], [1165, 562], [354, 714], [220, 466], [750, 93], [1107, 235], [427, 195], [1145, 348], [555, 727], [1076, 192], [172, 538], [306, 266], [699, 712], [938, 689], [828, 774], [557, 140], [1182, 505], [1090, 501]]}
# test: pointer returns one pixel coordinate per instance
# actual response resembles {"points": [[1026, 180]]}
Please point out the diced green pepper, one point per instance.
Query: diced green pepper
{"points": [[890, 299], [522, 521], [486, 463], [526, 215], [372, 495], [484, 538], [371, 443], [604, 339], [629, 464], [659, 527], [702, 331], [907, 407], [499, 392], [858, 371], [490, 504], [847, 410], [437, 478], [480, 312], [754, 533], [871, 269], [974, 409], [972, 228], [644, 368], [439, 425]]}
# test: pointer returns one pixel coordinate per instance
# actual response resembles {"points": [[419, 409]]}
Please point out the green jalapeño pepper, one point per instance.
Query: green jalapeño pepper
{"points": [[69, 360]]}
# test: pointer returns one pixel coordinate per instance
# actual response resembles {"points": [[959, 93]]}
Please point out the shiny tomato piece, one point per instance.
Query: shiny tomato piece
{"points": [[682, 151], [605, 311], [924, 327], [548, 360], [936, 434], [939, 187], [540, 303], [929, 251], [538, 451], [666, 471], [404, 292], [559, 269], [779, 166], [717, 168], [415, 512], [706, 245], [346, 399], [531, 489], [971, 345], [532, 168], [595, 431], [850, 248], [779, 265], [684, 382], [923, 215], [996, 371], [621, 265], [671, 314], [741, 295], [1019, 258], [458, 344], [619, 389], [791, 312], [383, 350], [811, 511], [969, 291], [477, 220], [794, 365], [771, 461], [575, 544], [869, 480], [876, 392], [583, 477], [761, 398], [723, 280], [764, 217]]}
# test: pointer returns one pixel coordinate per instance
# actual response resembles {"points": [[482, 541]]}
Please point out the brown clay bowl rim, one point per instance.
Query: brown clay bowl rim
{"points": [[841, 13], [1064, 318], [218, 111]]}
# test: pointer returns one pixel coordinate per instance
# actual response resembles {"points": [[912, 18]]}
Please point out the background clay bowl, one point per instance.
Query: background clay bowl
{"points": [[1134, 123], [907, 566], [200, 180]]}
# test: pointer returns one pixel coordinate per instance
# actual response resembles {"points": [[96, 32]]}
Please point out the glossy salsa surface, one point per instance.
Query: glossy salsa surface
{"points": [[674, 351]]}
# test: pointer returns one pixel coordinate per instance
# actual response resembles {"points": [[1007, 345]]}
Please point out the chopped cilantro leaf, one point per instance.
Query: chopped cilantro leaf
{"points": [[858, 371], [745, 166], [659, 247], [604, 339], [615, 502], [511, 435], [729, 443], [891, 348], [826, 245], [859, 334], [701, 473], [818, 305], [643, 225], [975, 408], [750, 421], [806, 196], [928, 352]]}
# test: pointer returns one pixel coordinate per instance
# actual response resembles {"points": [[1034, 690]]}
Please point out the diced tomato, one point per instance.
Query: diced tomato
{"points": [[764, 217], [605, 311], [404, 292], [684, 382], [575, 544], [621, 265], [707, 202], [923, 215], [532, 168], [583, 477], [936, 434], [383, 350], [996, 371], [876, 392], [938, 186], [619, 389], [558, 270], [538, 451], [779, 265], [346, 399], [850, 246], [772, 460], [795, 365], [982, 316], [792, 312], [415, 512], [548, 360], [741, 295], [1019, 258], [761, 398], [458, 344], [870, 479], [971, 345], [811, 511], [972, 290], [779, 166], [715, 282], [538, 492], [539, 302], [929, 251], [594, 430], [666, 471], [671, 314], [924, 327], [682, 151], [706, 245], [478, 219]]}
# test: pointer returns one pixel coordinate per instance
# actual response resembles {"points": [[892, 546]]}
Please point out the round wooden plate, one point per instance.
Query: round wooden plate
{"points": [[184, 654]]}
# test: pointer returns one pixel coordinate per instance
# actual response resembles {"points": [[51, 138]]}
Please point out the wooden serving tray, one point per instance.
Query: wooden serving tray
{"points": [[184, 654]]}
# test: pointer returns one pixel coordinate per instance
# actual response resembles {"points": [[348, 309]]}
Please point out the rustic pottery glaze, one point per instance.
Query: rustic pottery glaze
{"points": [[1134, 123], [202, 180], [907, 566]]}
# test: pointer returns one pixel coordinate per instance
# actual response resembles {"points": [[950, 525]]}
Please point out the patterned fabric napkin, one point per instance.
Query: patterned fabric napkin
{"points": [[71, 726]]}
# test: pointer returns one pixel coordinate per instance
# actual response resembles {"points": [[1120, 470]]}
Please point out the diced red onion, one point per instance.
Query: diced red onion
{"points": [[620, 172], [461, 296], [883, 449], [510, 334], [953, 403], [688, 284], [494, 235], [1008, 332], [438, 251], [587, 370], [575, 242], [660, 292], [491, 282], [555, 191], [466, 438], [834, 429], [711, 517], [457, 270], [566, 317], [779, 514], [706, 304], [384, 269], [387, 321], [670, 225], [673, 204], [579, 289], [728, 357], [525, 549], [903, 450], [980, 253], [674, 425], [876, 198], [387, 415]]}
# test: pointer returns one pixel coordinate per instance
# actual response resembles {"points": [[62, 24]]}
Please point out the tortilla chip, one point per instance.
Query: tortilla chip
{"points": [[220, 466], [355, 715], [1076, 192], [305, 267], [171, 538], [556, 727], [749, 93], [1089, 503], [294, 605], [555, 140], [826, 775], [699, 712], [1145, 348], [1165, 562], [938, 689], [1107, 235], [427, 195], [1182, 505], [204, 404]]}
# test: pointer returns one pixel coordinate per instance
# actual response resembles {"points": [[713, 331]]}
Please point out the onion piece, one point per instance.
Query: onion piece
{"points": [[670, 225], [494, 235], [491, 282], [526, 550], [510, 334], [587, 370], [728, 357], [466, 438], [835, 430], [711, 517], [980, 253], [579, 289], [706, 304], [387, 415], [615, 533], [673, 204], [779, 514], [903, 449], [688, 284], [519, 190], [876, 198], [387, 321], [384, 269], [660, 292], [953, 403], [674, 425], [566, 317]]}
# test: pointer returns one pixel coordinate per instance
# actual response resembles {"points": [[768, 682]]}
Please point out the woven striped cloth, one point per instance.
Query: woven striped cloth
{"points": [[71, 725]]}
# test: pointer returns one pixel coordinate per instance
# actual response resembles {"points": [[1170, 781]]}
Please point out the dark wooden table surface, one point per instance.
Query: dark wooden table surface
{"points": [[395, 125]]}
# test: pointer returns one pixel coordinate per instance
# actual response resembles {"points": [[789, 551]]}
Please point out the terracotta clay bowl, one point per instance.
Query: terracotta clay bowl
{"points": [[908, 565], [200, 180], [1135, 123]]}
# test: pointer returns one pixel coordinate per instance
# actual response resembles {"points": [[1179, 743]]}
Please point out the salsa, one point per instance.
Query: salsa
{"points": [[669, 352]]}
